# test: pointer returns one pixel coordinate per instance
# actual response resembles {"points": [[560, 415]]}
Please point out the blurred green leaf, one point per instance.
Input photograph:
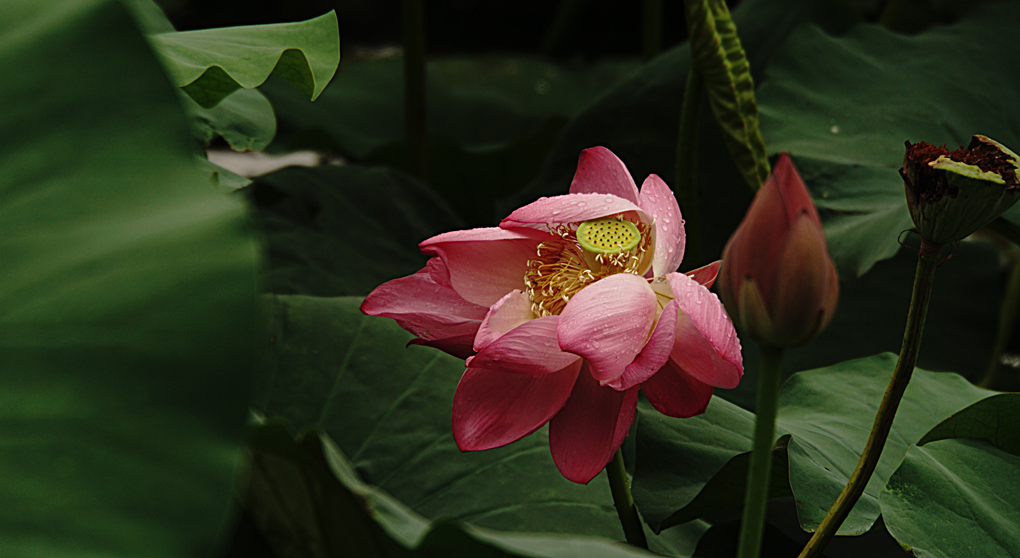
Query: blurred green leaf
{"points": [[245, 120], [994, 419], [678, 458], [491, 120], [128, 293], [638, 120], [844, 105], [718, 56], [388, 408], [210, 64], [219, 177], [473, 182], [872, 311], [480, 103], [955, 498], [308, 496], [344, 230]]}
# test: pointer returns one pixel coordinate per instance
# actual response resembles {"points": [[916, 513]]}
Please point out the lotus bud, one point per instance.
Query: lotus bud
{"points": [[777, 279], [951, 194]]}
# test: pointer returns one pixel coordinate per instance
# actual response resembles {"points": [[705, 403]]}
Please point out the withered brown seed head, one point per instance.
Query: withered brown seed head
{"points": [[930, 185]]}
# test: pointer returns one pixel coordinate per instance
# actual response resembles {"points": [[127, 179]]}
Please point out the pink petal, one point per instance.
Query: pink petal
{"points": [[571, 208], [484, 264], [755, 247], [436, 314], [608, 323], [654, 354], [658, 201], [492, 408], [676, 394], [706, 346], [705, 275], [589, 429], [599, 171], [459, 346], [511, 311], [530, 349]]}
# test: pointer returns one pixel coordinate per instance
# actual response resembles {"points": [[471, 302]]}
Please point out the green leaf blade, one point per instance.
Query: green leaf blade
{"points": [[955, 498], [993, 419], [695, 465], [129, 294], [210, 64]]}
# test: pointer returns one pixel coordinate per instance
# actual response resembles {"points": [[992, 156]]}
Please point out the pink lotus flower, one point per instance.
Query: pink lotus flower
{"points": [[564, 311], [777, 278]]}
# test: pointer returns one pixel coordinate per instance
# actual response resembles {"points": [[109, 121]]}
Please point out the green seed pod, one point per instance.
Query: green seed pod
{"points": [[951, 194]]}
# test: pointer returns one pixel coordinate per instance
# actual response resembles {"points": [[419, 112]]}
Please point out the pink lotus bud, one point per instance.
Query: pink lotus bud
{"points": [[777, 279]]}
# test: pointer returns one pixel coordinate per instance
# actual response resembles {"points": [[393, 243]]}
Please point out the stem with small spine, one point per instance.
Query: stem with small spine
{"points": [[759, 473], [927, 262], [687, 167], [624, 501]]}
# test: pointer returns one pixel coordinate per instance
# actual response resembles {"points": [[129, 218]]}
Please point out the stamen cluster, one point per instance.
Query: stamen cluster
{"points": [[561, 267]]}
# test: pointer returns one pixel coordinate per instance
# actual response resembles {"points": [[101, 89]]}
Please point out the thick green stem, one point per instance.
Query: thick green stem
{"points": [[561, 28], [927, 262], [760, 473], [687, 167], [625, 507], [416, 135], [651, 28], [1007, 316]]}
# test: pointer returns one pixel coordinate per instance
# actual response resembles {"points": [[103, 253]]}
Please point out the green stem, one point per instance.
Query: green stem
{"points": [[760, 472], [561, 28], [1007, 316], [927, 262], [687, 166], [651, 28], [1008, 230], [625, 507], [416, 135]]}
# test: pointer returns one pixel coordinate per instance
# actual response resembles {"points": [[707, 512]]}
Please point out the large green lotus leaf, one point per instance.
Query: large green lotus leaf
{"points": [[308, 498], [844, 105], [994, 419], [128, 293], [210, 64], [955, 498], [679, 458], [472, 182], [344, 230], [388, 408], [872, 313], [480, 103], [638, 120]]}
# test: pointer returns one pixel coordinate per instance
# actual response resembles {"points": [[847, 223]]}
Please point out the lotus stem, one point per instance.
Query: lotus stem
{"points": [[416, 134], [625, 508], [687, 166], [927, 262], [1007, 315], [651, 28], [760, 472]]}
